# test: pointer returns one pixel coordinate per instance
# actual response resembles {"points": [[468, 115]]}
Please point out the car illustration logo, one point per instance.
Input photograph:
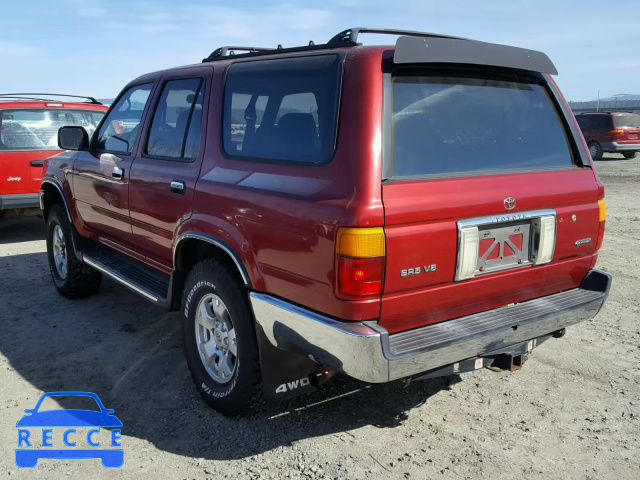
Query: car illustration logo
{"points": [[509, 203], [35, 427]]}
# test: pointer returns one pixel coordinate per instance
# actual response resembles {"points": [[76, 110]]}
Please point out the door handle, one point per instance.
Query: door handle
{"points": [[117, 172], [37, 163], [177, 187]]}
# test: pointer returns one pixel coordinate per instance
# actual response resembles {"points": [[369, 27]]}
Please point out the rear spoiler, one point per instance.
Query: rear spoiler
{"points": [[469, 52]]}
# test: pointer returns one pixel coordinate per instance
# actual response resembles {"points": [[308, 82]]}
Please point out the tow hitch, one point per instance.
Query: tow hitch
{"points": [[510, 358]]}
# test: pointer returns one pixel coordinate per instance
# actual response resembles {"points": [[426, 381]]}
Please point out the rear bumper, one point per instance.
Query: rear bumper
{"points": [[619, 147], [366, 351], [22, 200]]}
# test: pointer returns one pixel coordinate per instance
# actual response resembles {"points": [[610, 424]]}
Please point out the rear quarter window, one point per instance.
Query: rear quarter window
{"points": [[282, 110], [449, 125], [621, 121]]}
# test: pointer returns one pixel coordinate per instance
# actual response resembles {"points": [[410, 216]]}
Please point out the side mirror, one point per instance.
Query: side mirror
{"points": [[73, 138]]}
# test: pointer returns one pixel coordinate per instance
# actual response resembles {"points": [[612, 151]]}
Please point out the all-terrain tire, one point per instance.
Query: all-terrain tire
{"points": [[212, 279], [80, 280]]}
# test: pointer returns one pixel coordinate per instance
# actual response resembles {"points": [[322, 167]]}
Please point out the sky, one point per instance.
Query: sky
{"points": [[95, 47]]}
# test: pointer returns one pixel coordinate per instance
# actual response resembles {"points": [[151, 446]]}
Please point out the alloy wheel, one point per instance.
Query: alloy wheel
{"points": [[216, 338]]}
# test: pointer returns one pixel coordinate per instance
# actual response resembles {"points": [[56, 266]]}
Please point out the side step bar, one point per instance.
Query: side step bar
{"points": [[141, 279]]}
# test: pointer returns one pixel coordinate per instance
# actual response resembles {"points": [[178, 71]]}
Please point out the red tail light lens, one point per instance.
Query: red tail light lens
{"points": [[360, 276], [600, 236]]}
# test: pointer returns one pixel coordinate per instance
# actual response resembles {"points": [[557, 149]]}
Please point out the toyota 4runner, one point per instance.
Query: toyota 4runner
{"points": [[385, 212]]}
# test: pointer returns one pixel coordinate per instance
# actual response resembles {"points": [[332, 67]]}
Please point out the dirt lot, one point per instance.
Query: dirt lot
{"points": [[572, 412]]}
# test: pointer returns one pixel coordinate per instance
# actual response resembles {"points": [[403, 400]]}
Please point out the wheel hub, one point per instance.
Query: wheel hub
{"points": [[216, 338], [60, 252]]}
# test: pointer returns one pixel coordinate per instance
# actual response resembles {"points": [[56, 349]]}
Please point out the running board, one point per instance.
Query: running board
{"points": [[137, 277]]}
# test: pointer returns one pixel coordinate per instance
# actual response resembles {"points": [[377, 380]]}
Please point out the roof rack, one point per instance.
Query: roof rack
{"points": [[346, 38], [350, 35], [229, 50], [31, 96]]}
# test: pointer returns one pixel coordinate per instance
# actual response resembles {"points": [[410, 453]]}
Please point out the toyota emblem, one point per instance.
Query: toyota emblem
{"points": [[510, 203]]}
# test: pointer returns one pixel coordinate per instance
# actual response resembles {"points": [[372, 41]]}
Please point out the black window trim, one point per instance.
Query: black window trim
{"points": [[41, 109], [147, 132], [579, 156], [153, 83], [341, 55]]}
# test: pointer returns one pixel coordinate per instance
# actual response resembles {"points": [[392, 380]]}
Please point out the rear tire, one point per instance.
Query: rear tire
{"points": [[595, 150], [629, 155], [219, 336], [71, 277]]}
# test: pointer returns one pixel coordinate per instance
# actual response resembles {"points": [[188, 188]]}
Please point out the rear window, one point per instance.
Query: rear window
{"points": [[38, 129], [282, 110], [447, 125], [626, 121]]}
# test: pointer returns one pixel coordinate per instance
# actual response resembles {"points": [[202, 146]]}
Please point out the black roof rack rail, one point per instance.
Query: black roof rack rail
{"points": [[350, 35], [31, 96], [229, 50]]}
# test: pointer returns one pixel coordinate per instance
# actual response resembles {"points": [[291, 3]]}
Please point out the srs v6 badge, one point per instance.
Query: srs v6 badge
{"points": [[417, 270]]}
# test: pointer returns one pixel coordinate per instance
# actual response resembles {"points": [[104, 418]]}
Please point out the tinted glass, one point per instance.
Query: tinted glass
{"points": [[451, 126], [175, 130], [283, 110], [627, 121], [123, 121], [38, 129], [584, 122]]}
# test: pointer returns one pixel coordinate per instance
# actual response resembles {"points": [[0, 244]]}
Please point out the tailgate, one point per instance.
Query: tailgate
{"points": [[627, 128], [486, 205]]}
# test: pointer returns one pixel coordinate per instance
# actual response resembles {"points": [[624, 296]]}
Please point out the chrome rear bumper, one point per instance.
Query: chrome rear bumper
{"points": [[366, 351]]}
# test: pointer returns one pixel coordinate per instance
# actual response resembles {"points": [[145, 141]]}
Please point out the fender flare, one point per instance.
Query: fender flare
{"points": [[60, 191], [218, 243]]}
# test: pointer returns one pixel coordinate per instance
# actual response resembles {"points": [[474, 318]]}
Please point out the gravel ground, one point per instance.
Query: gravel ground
{"points": [[572, 412]]}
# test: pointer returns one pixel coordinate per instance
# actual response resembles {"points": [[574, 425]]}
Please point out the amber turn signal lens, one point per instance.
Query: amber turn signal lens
{"points": [[603, 210], [360, 242]]}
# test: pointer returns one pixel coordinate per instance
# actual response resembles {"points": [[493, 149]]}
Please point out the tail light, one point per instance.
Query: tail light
{"points": [[361, 261], [603, 218], [544, 229], [615, 132]]}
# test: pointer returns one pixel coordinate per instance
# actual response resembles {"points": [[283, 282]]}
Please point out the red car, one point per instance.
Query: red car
{"points": [[29, 124], [607, 132], [384, 212]]}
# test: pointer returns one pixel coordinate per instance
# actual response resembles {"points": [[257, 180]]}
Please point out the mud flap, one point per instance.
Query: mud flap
{"points": [[287, 374]]}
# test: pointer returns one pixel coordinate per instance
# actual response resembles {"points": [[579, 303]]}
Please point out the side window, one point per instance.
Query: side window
{"points": [[176, 126], [584, 122], [283, 110], [119, 131], [605, 122]]}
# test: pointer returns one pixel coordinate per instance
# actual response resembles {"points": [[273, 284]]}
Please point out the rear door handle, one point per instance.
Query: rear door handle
{"points": [[117, 172], [177, 187], [37, 163]]}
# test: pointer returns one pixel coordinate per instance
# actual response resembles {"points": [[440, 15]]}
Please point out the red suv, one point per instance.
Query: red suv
{"points": [[385, 212], [29, 127], [607, 132]]}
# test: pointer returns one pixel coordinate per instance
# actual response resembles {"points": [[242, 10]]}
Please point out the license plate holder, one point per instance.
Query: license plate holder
{"points": [[504, 246]]}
